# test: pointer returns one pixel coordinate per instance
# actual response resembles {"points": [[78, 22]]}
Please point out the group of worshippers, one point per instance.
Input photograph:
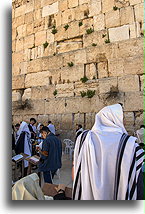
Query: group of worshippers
{"points": [[49, 149], [108, 163]]}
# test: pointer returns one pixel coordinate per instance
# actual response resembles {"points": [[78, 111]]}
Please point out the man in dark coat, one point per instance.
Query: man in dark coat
{"points": [[50, 155]]}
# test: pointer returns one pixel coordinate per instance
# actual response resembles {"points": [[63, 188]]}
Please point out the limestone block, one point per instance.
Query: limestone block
{"points": [[40, 51], [35, 66], [30, 28], [128, 83], [14, 33], [119, 33], [27, 54], [80, 11], [51, 63], [20, 10], [29, 17], [139, 10], [23, 67], [50, 50], [65, 90], [50, 9], [17, 119], [29, 7], [133, 101], [16, 69], [13, 45], [61, 34], [17, 57], [126, 15], [68, 57], [130, 48], [47, 92], [40, 38], [73, 30], [19, 21], [19, 44], [133, 65], [102, 69], [107, 5], [133, 2], [84, 1], [34, 53], [72, 74], [55, 76], [68, 46], [106, 84], [21, 30], [68, 16], [80, 57], [46, 2], [132, 28], [112, 19], [29, 41], [90, 85], [37, 79], [99, 22], [139, 119], [36, 93], [95, 8], [62, 5], [27, 94], [16, 96], [59, 104], [142, 77], [37, 14], [91, 71], [18, 82], [39, 25], [50, 36], [128, 119], [57, 18], [73, 3], [95, 55], [116, 67]]}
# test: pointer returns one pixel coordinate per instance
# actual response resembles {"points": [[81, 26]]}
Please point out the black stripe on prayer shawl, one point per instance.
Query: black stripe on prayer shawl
{"points": [[133, 188], [83, 137], [123, 142], [141, 155]]}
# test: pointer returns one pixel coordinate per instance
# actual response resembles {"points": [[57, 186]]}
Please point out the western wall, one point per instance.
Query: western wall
{"points": [[70, 58]]}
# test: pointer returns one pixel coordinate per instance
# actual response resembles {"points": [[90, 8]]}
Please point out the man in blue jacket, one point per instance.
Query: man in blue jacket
{"points": [[50, 155]]}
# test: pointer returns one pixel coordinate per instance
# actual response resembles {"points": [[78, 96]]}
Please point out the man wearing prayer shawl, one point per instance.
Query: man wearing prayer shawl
{"points": [[107, 161]]}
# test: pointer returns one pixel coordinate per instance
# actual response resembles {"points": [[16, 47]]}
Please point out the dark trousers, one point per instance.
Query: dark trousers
{"points": [[48, 176]]}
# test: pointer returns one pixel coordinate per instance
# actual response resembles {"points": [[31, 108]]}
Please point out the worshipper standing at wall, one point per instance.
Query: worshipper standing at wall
{"points": [[51, 127], [32, 127], [140, 135], [13, 141], [79, 130], [39, 135], [107, 161], [17, 126], [50, 155], [23, 143]]}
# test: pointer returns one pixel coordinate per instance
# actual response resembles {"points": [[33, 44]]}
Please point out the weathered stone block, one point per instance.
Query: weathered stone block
{"points": [[29, 7], [133, 101], [50, 36], [30, 29], [61, 34], [133, 65], [29, 41], [89, 85], [43, 119], [91, 71], [20, 10], [21, 30], [99, 22], [57, 19], [68, 46], [102, 70], [65, 90], [80, 12], [128, 83], [59, 104], [119, 33], [27, 94], [106, 84], [73, 3], [29, 17], [139, 10], [133, 33], [94, 8], [18, 82], [116, 67], [127, 15], [84, 1], [14, 33], [87, 23], [72, 74], [46, 2], [142, 77], [112, 18], [19, 44], [133, 2], [107, 5], [73, 30], [37, 79], [40, 38], [129, 119], [23, 67], [62, 5], [17, 57], [68, 16], [50, 9], [80, 57], [16, 96]]}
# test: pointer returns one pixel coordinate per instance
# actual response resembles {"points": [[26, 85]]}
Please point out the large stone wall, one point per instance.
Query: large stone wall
{"points": [[102, 39]]}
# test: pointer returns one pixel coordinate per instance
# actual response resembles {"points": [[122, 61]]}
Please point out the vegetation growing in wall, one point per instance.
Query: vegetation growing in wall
{"points": [[88, 94], [89, 30], [55, 92], [84, 79], [83, 93], [94, 44], [66, 26], [107, 41], [103, 35], [70, 64], [54, 30], [115, 8], [21, 105], [80, 23], [45, 45]]}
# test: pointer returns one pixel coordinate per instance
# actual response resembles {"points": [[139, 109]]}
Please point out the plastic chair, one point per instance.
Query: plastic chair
{"points": [[68, 145]]}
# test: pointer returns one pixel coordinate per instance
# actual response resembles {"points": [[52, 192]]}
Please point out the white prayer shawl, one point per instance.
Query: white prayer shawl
{"points": [[98, 157], [27, 146], [79, 130]]}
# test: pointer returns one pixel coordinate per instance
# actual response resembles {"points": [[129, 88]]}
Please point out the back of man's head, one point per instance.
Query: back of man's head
{"points": [[49, 122], [45, 129], [142, 126], [33, 120]]}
